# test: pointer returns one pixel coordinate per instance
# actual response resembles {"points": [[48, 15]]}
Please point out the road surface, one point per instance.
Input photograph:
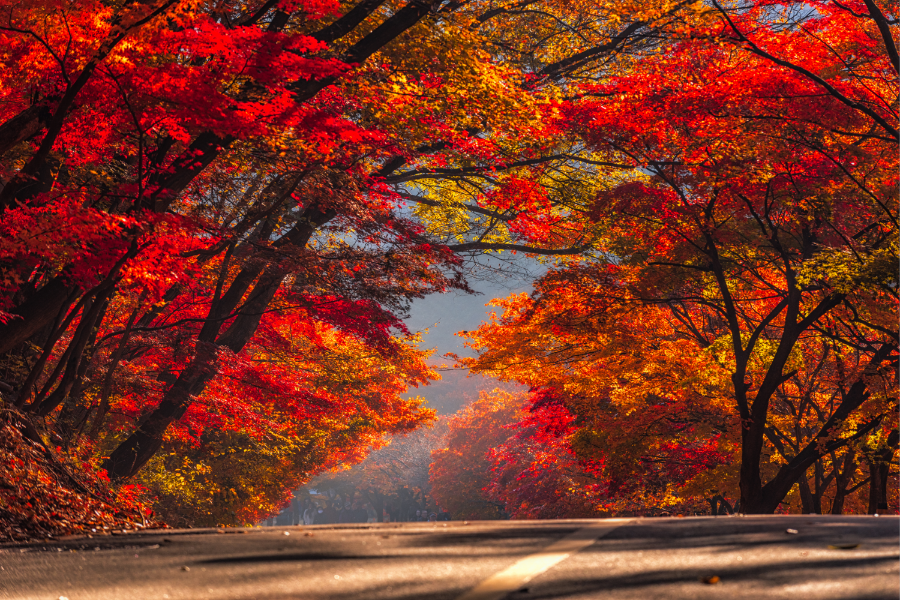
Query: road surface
{"points": [[821, 557]]}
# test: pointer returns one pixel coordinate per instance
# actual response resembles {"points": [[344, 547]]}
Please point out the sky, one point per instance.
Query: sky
{"points": [[445, 314]]}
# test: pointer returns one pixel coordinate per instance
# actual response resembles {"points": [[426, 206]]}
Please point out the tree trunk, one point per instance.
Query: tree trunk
{"points": [[842, 481], [132, 454], [24, 125], [759, 499], [80, 357], [879, 470], [752, 500], [875, 491], [819, 486], [879, 463], [38, 311], [806, 497]]}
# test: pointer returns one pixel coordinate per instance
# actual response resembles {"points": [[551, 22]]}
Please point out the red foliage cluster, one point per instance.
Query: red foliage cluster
{"points": [[530, 458], [536, 475]]}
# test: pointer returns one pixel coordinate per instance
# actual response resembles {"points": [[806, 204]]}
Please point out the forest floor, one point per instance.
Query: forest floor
{"points": [[46, 493]]}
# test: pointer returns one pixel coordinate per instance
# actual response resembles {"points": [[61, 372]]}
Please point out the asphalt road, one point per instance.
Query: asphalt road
{"points": [[692, 558]]}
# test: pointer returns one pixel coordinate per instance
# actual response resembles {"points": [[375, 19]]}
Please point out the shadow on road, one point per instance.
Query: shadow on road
{"points": [[773, 572], [289, 556]]}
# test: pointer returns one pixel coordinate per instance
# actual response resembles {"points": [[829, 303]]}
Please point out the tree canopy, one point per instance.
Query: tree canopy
{"points": [[216, 214], [743, 297]]}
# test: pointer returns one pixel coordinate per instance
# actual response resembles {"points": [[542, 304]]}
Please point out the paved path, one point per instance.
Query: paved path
{"points": [[737, 557]]}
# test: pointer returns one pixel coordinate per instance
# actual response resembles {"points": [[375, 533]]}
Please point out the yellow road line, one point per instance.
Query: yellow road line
{"points": [[526, 569]]}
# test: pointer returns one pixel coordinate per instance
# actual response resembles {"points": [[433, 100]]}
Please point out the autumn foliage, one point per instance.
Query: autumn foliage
{"points": [[461, 471], [214, 216], [735, 333]]}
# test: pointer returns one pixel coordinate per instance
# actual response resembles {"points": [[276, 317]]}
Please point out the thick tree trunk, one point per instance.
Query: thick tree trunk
{"points": [[24, 125], [821, 484], [879, 464], [837, 505], [752, 500], [877, 486], [764, 499], [38, 311], [878, 460], [807, 504], [842, 481], [132, 454]]}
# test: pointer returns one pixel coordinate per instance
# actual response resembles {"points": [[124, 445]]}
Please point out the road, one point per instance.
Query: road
{"points": [[694, 558]]}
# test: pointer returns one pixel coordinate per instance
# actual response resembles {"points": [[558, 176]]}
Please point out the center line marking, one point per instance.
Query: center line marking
{"points": [[514, 577]]}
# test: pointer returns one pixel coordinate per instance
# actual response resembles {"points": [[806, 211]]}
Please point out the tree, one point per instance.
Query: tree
{"points": [[392, 478], [262, 430], [761, 217], [461, 472], [642, 418], [175, 174], [535, 473], [181, 180]]}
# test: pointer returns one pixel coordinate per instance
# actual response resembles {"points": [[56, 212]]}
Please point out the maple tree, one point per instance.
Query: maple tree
{"points": [[392, 479], [200, 200], [183, 178], [256, 435], [535, 473], [641, 420], [653, 409], [523, 457], [461, 471], [760, 220]]}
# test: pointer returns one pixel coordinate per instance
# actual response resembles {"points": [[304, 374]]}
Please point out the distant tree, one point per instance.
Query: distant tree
{"points": [[394, 477], [462, 469], [535, 473]]}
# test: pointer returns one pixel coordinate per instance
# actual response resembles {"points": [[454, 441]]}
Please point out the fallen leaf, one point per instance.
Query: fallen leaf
{"points": [[712, 579], [842, 546]]}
